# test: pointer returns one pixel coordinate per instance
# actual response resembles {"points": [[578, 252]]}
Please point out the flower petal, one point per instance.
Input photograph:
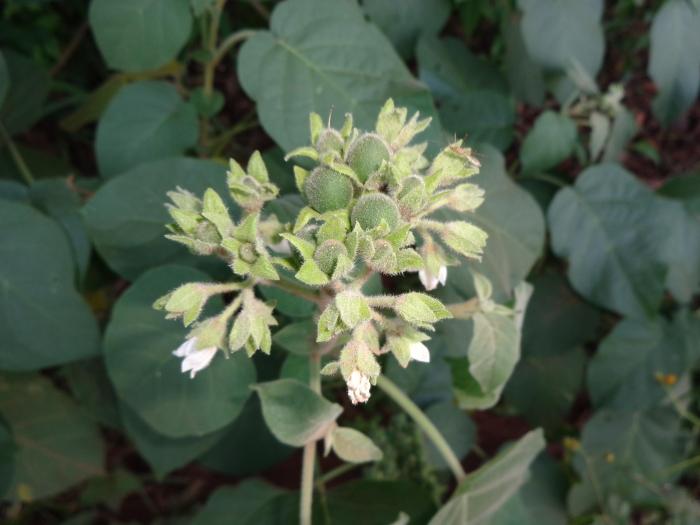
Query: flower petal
{"points": [[442, 275], [419, 352], [186, 348], [428, 279], [198, 360]]}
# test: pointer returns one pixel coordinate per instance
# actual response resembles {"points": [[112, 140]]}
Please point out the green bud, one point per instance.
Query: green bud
{"points": [[412, 194], [353, 308], [371, 209], [207, 238], [366, 154], [329, 141], [327, 254], [327, 190], [420, 309]]}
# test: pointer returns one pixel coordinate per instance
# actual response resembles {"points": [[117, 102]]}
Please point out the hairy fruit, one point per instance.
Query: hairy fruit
{"points": [[366, 154], [327, 190], [371, 209]]}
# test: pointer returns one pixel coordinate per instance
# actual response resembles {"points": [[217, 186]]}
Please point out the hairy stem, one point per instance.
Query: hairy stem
{"points": [[398, 395], [213, 34], [307, 469]]}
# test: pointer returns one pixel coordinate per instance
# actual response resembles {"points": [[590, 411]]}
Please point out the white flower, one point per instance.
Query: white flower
{"points": [[419, 352], [282, 247], [194, 360], [358, 387], [429, 281]]}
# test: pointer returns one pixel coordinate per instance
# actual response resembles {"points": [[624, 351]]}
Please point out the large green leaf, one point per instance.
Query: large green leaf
{"points": [[616, 445], [621, 373], [494, 349], [248, 446], [562, 33], [43, 320], [138, 35], [239, 503], [404, 22], [550, 141], [556, 319], [127, 216], [604, 226], [471, 93], [28, 89], [54, 198], [543, 389], [290, 72], [515, 225], [674, 58], [480, 495], [524, 74], [294, 413], [138, 349], [90, 384], [164, 454], [58, 444], [456, 427], [146, 121]]}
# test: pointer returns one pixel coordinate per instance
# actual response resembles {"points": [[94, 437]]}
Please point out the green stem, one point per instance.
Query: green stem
{"points": [[19, 161], [678, 466], [381, 301], [307, 469], [398, 395], [338, 471], [545, 178], [213, 34], [232, 40], [294, 289]]}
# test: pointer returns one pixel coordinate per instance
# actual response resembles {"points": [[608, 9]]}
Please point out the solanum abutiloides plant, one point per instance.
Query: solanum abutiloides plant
{"points": [[369, 204]]}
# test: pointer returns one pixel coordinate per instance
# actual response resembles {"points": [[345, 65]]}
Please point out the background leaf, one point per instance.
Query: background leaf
{"points": [[25, 97], [127, 216], [137, 36], [524, 74], [240, 501], [43, 320], [603, 226], [58, 445], [550, 141], [456, 427], [289, 72], [494, 349], [146, 121], [140, 338], [674, 59]]}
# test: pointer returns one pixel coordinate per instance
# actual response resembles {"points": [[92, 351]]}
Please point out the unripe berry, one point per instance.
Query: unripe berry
{"points": [[327, 254], [247, 253], [327, 190], [366, 154], [329, 140], [371, 209]]}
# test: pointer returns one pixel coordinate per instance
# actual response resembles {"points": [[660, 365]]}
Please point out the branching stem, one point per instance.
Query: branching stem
{"points": [[398, 395]]}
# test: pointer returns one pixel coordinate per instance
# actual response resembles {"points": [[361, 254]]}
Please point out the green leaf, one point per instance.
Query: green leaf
{"points": [[298, 338], [465, 238], [556, 319], [685, 188], [456, 427], [14, 191], [515, 226], [494, 350], [645, 443], [472, 93], [674, 59], [542, 389], [90, 385], [275, 66], [550, 141], [482, 492], [561, 33], [164, 454], [354, 447], [24, 100], [248, 447], [404, 23], [241, 502], [353, 309], [43, 320], [138, 350], [54, 198], [624, 127], [58, 444], [4, 79], [199, 6], [524, 74], [295, 414], [603, 225], [621, 373], [126, 218], [133, 35], [146, 121], [288, 304]]}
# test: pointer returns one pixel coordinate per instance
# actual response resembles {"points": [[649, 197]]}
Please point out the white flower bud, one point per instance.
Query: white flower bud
{"points": [[430, 281], [419, 352], [194, 360], [358, 387]]}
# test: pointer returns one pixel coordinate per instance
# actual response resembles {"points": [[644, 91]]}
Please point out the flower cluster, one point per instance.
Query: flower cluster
{"points": [[369, 205]]}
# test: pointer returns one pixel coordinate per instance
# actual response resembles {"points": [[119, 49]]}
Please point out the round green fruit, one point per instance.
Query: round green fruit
{"points": [[329, 140], [371, 209], [366, 154], [327, 253], [327, 190]]}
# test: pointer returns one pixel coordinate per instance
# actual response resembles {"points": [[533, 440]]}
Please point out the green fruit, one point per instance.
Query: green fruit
{"points": [[327, 253], [327, 190], [366, 154], [329, 140], [371, 209]]}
